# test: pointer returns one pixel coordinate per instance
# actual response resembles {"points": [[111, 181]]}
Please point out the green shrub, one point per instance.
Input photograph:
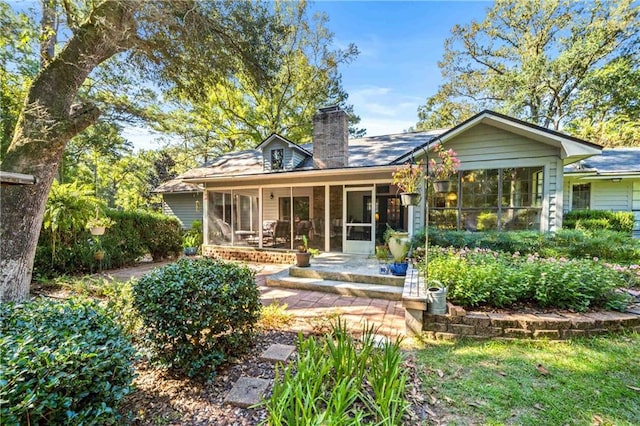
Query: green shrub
{"points": [[484, 277], [134, 234], [62, 363], [605, 245], [593, 220], [196, 313], [338, 380]]}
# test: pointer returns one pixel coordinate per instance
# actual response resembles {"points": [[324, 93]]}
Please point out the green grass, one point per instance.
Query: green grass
{"points": [[590, 381]]}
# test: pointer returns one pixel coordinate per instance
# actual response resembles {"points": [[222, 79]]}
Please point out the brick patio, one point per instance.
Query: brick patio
{"points": [[313, 309]]}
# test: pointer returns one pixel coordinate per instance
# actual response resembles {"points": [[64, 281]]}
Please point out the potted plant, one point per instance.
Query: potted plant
{"points": [[304, 254], [382, 254], [408, 178], [398, 243], [190, 243], [98, 225], [440, 170]]}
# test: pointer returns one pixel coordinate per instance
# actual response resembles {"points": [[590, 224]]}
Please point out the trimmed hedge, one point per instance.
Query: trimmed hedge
{"points": [[197, 313], [62, 363], [134, 234], [595, 220], [606, 245], [484, 277]]}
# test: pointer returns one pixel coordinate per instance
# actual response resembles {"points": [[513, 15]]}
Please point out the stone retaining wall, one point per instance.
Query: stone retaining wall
{"points": [[249, 254], [459, 323], [526, 326]]}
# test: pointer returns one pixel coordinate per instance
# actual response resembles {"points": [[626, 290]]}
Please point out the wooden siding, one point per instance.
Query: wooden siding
{"points": [[287, 158], [635, 206], [487, 147], [183, 207]]}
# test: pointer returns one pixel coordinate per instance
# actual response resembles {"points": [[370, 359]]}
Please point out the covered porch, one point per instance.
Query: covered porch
{"points": [[333, 217]]}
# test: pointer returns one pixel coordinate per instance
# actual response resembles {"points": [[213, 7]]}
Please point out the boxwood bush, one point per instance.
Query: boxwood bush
{"points": [[134, 234], [605, 245], [196, 313], [62, 363], [484, 277], [595, 220]]}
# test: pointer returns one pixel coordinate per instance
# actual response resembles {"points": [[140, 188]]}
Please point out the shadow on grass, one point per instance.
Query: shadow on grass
{"points": [[584, 381]]}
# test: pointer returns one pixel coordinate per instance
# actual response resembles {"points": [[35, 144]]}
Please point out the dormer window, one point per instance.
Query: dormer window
{"points": [[277, 159]]}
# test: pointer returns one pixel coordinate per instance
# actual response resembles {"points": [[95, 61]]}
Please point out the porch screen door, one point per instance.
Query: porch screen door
{"points": [[358, 232]]}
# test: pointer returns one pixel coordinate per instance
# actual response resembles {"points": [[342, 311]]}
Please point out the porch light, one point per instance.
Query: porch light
{"points": [[271, 196]]}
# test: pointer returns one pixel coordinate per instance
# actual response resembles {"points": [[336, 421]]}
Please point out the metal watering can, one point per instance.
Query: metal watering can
{"points": [[437, 300]]}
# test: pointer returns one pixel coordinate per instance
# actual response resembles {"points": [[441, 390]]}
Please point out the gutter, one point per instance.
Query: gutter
{"points": [[293, 174]]}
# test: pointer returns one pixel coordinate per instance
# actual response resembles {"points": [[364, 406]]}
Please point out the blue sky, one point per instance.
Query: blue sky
{"points": [[400, 44]]}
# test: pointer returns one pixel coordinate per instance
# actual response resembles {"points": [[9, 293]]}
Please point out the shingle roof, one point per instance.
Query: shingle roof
{"points": [[612, 160]]}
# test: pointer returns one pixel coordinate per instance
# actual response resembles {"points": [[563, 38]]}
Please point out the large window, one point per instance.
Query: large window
{"points": [[490, 199], [581, 199]]}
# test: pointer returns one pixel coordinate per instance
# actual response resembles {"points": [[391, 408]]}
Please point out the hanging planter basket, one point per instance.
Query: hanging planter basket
{"points": [[97, 230], [441, 185], [409, 198]]}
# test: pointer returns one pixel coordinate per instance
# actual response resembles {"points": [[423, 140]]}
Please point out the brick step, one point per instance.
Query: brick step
{"points": [[372, 291], [324, 273]]}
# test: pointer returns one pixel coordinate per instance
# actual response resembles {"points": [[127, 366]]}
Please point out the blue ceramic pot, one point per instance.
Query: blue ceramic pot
{"points": [[398, 269]]}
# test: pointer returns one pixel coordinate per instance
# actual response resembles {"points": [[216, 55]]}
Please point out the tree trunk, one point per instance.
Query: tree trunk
{"points": [[47, 121]]}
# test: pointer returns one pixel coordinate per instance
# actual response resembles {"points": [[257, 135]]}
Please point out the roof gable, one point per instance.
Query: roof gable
{"points": [[572, 149], [262, 146]]}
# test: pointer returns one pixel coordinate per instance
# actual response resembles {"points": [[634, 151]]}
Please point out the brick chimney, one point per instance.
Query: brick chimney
{"points": [[330, 138]]}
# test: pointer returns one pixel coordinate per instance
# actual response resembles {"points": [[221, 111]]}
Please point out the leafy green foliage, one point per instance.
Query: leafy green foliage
{"points": [[606, 245], [561, 64], [594, 220], [134, 234], [339, 380], [62, 363], [484, 277], [197, 313]]}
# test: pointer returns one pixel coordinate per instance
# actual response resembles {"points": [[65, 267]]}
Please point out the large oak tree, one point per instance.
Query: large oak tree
{"points": [[159, 37], [562, 64]]}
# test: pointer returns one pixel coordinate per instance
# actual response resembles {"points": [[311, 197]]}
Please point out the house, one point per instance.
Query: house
{"points": [[610, 181], [339, 193]]}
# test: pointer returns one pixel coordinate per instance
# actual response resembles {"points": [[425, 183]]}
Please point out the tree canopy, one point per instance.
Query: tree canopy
{"points": [[559, 63], [186, 47]]}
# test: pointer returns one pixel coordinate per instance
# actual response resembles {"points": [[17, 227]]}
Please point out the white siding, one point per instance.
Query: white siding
{"points": [[183, 206]]}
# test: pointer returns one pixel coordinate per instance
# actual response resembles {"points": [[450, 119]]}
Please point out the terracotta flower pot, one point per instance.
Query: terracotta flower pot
{"points": [[302, 259]]}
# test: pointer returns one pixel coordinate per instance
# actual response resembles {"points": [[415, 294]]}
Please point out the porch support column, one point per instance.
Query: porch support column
{"points": [[411, 220], [205, 216], [327, 219], [260, 219]]}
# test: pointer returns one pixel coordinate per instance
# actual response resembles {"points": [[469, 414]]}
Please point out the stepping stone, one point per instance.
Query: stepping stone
{"points": [[278, 353], [247, 391]]}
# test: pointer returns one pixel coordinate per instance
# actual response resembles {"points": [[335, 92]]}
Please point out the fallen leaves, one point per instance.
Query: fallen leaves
{"points": [[542, 370]]}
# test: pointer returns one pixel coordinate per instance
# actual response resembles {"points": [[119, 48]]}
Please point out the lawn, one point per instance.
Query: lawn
{"points": [[592, 381]]}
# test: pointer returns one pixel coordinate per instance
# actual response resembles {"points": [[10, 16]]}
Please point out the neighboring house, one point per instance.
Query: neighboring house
{"points": [[610, 181], [339, 193]]}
